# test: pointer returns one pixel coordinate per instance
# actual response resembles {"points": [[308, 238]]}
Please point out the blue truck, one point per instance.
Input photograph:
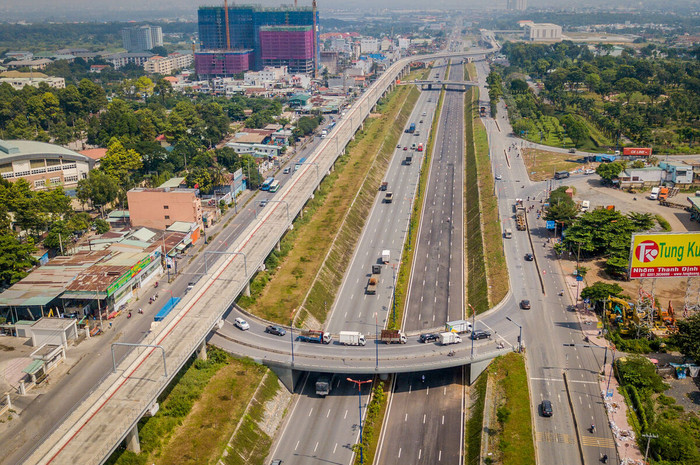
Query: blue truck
{"points": [[411, 129], [313, 335]]}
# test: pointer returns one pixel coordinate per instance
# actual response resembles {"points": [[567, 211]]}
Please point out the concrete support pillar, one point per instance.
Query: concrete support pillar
{"points": [[87, 331], [202, 351], [288, 376], [476, 368], [132, 440], [278, 246], [8, 401], [22, 388], [246, 291]]}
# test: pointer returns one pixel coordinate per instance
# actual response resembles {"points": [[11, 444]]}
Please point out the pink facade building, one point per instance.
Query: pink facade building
{"points": [[290, 46], [161, 207], [221, 63]]}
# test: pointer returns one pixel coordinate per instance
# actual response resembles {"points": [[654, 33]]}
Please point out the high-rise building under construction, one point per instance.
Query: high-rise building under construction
{"points": [[274, 36]]}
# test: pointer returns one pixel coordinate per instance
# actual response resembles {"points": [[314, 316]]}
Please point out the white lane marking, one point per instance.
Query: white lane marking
{"points": [[346, 415], [328, 414], [399, 453], [405, 418], [312, 409], [427, 390], [443, 420], [335, 447], [297, 446], [316, 447], [420, 452], [439, 456]]}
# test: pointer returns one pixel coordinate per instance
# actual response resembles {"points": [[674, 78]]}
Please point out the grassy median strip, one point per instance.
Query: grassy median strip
{"points": [[474, 421], [496, 269], [294, 267], [477, 285], [513, 415], [408, 246], [198, 412], [377, 142], [371, 429]]}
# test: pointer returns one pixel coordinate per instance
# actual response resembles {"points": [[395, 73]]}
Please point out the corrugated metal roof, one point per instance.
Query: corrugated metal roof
{"points": [[173, 182], [33, 367], [144, 234], [182, 226]]}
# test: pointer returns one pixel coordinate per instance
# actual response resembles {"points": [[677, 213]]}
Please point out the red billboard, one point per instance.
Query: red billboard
{"points": [[637, 151]]}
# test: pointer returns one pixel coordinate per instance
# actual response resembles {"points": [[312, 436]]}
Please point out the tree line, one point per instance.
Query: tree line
{"points": [[649, 98]]}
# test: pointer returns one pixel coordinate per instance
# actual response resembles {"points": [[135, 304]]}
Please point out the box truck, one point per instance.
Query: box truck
{"points": [[324, 384], [352, 338], [449, 338], [385, 256], [458, 326]]}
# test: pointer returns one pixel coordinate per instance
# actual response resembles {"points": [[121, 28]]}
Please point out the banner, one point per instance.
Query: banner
{"points": [[665, 255]]}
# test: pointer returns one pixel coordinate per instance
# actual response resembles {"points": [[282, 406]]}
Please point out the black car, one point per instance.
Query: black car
{"points": [[480, 334], [546, 407], [525, 304], [276, 330], [529, 257], [429, 337]]}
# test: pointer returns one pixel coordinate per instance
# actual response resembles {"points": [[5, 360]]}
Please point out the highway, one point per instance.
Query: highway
{"points": [[301, 441], [121, 398], [548, 325], [424, 423]]}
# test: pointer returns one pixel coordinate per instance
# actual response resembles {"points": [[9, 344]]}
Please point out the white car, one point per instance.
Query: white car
{"points": [[241, 324], [498, 177], [589, 171]]}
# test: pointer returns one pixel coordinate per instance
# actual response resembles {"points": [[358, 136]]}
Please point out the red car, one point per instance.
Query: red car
{"points": [[405, 148]]}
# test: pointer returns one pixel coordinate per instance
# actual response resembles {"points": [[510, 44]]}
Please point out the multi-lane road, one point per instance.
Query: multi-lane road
{"points": [[425, 416], [322, 430]]}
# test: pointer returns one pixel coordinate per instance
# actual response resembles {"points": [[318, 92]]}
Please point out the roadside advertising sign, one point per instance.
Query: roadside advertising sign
{"points": [[637, 151], [665, 255]]}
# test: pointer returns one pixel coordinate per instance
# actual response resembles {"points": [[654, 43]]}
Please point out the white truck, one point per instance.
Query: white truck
{"points": [[385, 256], [352, 338], [324, 133], [654, 193], [458, 326], [585, 205], [449, 338]]}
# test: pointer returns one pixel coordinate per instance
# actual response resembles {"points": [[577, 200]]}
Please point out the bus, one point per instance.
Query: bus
{"points": [[299, 163], [275, 186], [266, 184]]}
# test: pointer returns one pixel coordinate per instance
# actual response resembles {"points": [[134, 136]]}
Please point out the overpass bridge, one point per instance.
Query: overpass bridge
{"points": [[108, 413], [447, 85]]}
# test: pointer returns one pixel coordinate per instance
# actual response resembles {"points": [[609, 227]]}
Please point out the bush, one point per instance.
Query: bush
{"points": [[639, 372]]}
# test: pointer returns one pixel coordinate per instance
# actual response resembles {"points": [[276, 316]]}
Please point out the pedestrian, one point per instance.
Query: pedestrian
{"points": [[110, 325]]}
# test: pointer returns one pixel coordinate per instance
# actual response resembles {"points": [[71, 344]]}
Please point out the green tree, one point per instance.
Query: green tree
{"points": [[638, 371], [101, 226], [688, 337], [599, 291], [15, 258], [201, 178], [642, 221], [120, 163], [58, 237], [575, 128], [99, 188], [609, 171]]}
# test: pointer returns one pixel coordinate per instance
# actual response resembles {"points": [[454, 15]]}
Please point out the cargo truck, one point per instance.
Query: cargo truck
{"points": [[385, 256], [313, 335], [449, 338], [384, 186], [411, 129], [482, 111], [520, 223], [324, 384], [654, 193], [388, 197], [392, 336], [373, 281], [408, 160], [352, 338], [458, 326]]}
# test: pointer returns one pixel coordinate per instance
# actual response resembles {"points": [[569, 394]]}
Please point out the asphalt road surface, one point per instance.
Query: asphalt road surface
{"points": [[385, 228], [549, 324], [425, 418]]}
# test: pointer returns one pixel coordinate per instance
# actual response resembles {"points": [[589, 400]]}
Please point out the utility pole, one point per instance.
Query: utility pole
{"points": [[649, 437], [359, 397]]}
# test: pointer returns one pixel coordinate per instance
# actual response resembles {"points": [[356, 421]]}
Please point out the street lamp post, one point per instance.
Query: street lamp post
{"points": [[291, 333], [649, 438], [393, 267], [473, 328], [376, 340], [520, 336], [359, 397]]}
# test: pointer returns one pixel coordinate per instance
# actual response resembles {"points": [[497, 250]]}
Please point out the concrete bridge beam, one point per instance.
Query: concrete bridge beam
{"points": [[288, 376]]}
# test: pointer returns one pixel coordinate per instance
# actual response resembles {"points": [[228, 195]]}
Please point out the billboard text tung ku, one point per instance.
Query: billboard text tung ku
{"points": [[665, 255]]}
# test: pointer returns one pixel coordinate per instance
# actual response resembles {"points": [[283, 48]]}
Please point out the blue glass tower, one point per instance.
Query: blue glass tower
{"points": [[244, 26]]}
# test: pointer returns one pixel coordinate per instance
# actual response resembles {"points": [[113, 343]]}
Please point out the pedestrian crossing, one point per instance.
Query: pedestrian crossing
{"points": [[595, 441], [549, 436]]}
